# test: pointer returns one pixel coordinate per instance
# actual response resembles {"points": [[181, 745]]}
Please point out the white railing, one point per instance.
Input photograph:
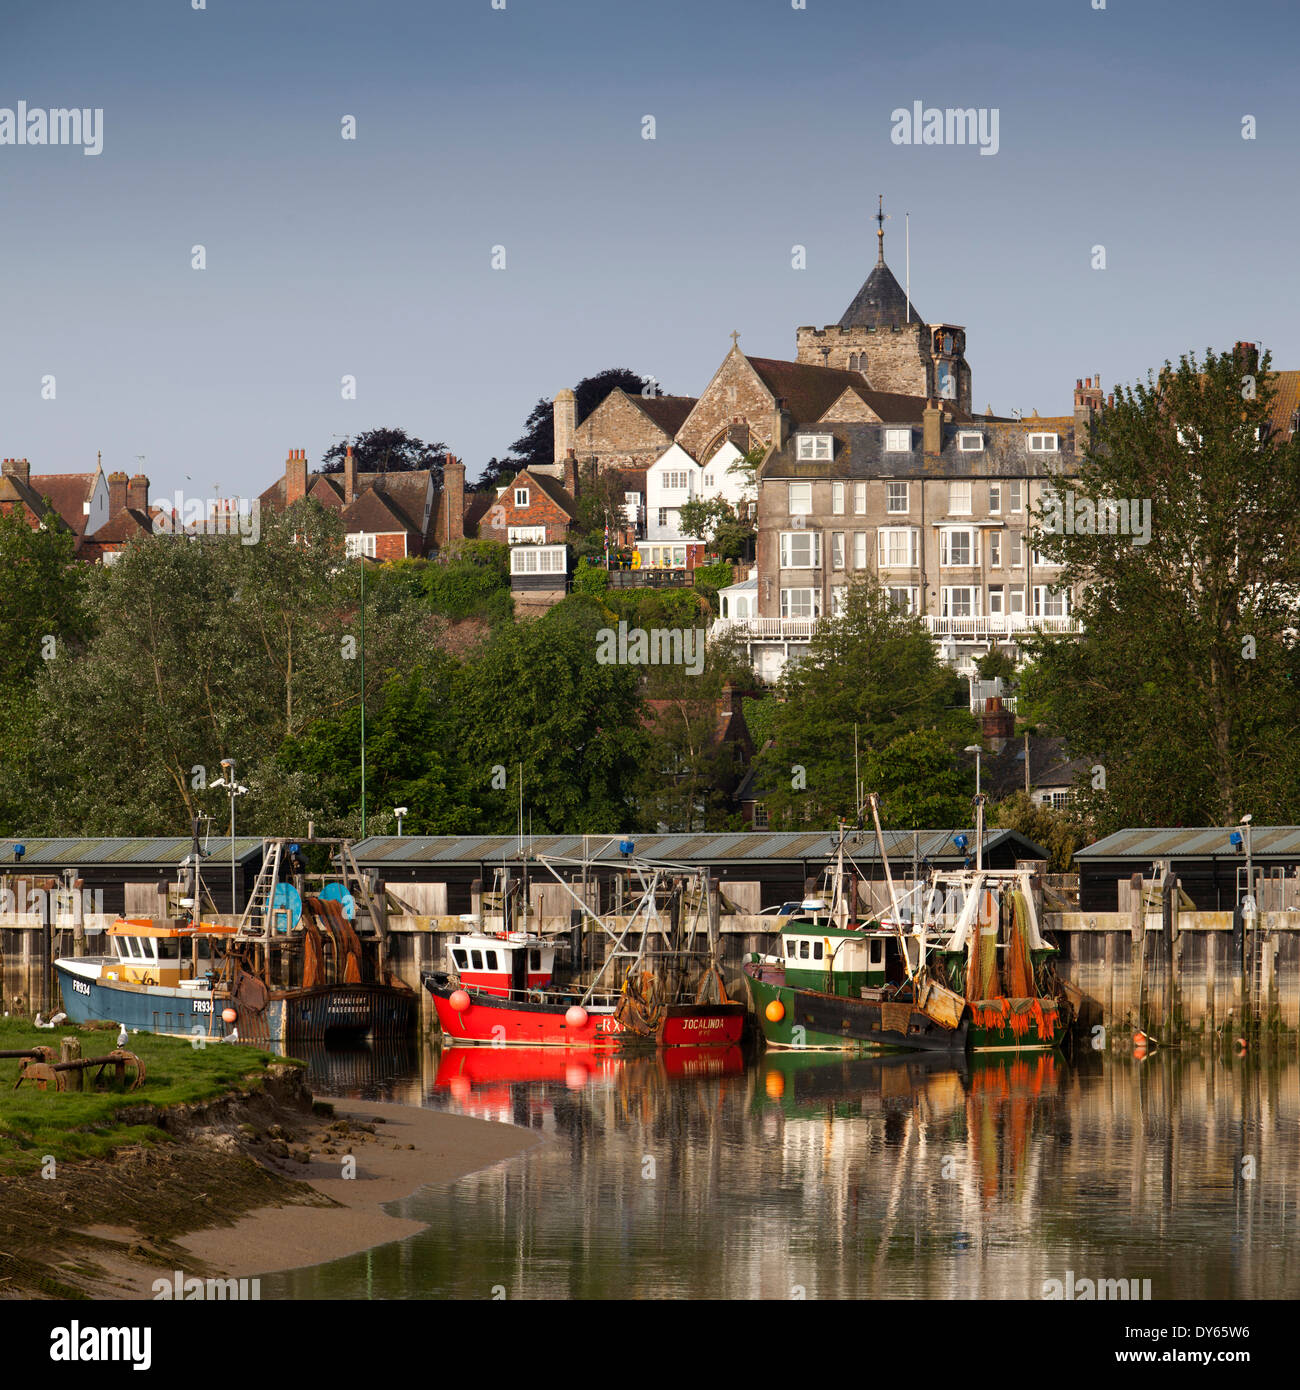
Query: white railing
{"points": [[996, 625], [770, 629], [979, 629]]}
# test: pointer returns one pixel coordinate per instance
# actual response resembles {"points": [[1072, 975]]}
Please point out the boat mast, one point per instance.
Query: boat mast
{"points": [[874, 802]]}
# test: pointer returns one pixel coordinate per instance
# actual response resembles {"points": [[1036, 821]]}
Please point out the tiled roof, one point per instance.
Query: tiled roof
{"points": [[14, 492], [68, 493], [808, 391], [554, 489], [126, 525], [668, 412], [1286, 402], [375, 512], [880, 303], [859, 452]]}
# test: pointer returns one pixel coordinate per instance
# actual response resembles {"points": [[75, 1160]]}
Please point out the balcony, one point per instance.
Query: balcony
{"points": [[993, 625], [981, 629], [766, 629]]}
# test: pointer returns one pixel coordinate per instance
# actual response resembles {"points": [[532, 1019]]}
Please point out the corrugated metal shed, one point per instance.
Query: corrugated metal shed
{"points": [[142, 851], [1266, 842], [756, 846]]}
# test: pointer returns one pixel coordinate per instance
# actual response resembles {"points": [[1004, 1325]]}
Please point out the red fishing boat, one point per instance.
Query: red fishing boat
{"points": [[503, 989]]}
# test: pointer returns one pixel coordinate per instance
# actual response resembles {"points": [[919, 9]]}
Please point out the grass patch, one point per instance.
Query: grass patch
{"points": [[71, 1126]]}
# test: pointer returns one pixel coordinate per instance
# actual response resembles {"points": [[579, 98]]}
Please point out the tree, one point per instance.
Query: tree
{"points": [[1185, 685], [920, 781], [45, 595], [386, 451], [1059, 832], [873, 670], [537, 443], [571, 722]]}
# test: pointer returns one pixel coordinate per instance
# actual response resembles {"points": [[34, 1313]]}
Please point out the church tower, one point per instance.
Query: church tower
{"points": [[882, 336]]}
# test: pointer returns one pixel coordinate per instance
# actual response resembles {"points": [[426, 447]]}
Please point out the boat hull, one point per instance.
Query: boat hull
{"points": [[331, 1013], [496, 1022], [146, 1008], [811, 1019]]}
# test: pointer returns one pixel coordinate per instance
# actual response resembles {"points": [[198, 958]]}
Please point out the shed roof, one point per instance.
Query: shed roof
{"points": [[77, 851], [1192, 842]]}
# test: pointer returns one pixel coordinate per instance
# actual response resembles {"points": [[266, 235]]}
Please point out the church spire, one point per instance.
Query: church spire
{"points": [[880, 230]]}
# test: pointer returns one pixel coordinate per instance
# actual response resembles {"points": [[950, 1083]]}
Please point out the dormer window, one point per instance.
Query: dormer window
{"points": [[898, 441], [814, 448], [1042, 444], [521, 497], [970, 442]]}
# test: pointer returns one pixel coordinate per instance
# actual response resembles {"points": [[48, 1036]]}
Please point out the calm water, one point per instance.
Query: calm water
{"points": [[708, 1176]]}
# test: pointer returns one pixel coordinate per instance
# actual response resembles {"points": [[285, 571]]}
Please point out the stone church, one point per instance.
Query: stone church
{"points": [[879, 364]]}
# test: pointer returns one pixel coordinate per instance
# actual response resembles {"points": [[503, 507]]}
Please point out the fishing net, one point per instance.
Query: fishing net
{"points": [[1020, 964]]}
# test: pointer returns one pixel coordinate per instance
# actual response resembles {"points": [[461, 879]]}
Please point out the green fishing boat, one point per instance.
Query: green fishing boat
{"points": [[960, 965]]}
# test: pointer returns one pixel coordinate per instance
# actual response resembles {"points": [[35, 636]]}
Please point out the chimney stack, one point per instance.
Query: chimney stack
{"points": [[18, 468], [571, 474], [137, 493], [781, 424], [932, 428], [295, 477], [349, 478], [453, 499], [564, 416], [117, 489]]}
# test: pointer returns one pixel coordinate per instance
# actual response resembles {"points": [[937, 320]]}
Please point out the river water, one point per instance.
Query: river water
{"points": [[706, 1174]]}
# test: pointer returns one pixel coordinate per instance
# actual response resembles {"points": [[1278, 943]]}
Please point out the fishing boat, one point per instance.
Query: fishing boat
{"points": [[507, 988], [308, 959], [959, 965], [157, 977]]}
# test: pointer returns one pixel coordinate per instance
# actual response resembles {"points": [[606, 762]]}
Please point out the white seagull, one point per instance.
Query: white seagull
{"points": [[121, 1037]]}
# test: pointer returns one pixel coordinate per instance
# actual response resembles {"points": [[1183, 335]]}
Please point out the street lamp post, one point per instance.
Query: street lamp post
{"points": [[977, 750]]}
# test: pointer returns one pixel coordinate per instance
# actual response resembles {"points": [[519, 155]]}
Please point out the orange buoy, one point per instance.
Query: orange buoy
{"points": [[575, 1016], [459, 1000], [1139, 1038], [775, 1011], [229, 1015]]}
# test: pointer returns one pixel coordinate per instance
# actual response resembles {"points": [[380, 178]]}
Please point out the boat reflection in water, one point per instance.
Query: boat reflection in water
{"points": [[519, 1085], [839, 1176], [380, 1071]]}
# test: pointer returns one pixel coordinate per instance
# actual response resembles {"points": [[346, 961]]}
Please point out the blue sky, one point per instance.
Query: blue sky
{"points": [[522, 128]]}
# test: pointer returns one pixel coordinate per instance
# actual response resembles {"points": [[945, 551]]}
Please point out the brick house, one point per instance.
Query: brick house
{"points": [[387, 516], [534, 509], [80, 500]]}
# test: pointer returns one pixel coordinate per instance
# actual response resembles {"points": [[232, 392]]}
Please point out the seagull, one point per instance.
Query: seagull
{"points": [[121, 1037], [232, 1036], [58, 1018], [39, 1022]]}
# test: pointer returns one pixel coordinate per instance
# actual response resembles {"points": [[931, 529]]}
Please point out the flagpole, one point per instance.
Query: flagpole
{"points": [[907, 238]]}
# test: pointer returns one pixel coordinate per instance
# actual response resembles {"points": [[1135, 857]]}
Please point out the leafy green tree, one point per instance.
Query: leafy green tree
{"points": [[44, 606], [1185, 686], [873, 670], [535, 695], [920, 781], [1059, 832]]}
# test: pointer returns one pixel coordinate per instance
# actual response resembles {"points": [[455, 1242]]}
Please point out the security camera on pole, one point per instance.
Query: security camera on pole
{"points": [[228, 784]]}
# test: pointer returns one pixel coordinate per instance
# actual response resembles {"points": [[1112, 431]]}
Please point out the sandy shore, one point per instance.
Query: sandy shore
{"points": [[409, 1149], [434, 1147]]}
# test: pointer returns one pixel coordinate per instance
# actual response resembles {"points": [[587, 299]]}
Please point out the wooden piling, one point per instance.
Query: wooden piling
{"points": [[70, 1051]]}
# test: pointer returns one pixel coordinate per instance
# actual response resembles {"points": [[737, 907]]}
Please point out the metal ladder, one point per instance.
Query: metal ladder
{"points": [[258, 908]]}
